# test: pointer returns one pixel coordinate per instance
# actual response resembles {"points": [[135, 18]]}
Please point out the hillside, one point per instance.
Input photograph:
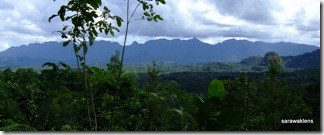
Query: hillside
{"points": [[162, 50], [307, 60], [310, 60]]}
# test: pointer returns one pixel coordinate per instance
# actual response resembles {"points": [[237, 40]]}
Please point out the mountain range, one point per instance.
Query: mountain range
{"points": [[162, 50]]}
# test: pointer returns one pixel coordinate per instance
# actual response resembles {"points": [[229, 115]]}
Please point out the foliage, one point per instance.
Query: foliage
{"points": [[86, 25], [212, 115], [217, 66], [216, 89], [306, 60], [251, 61], [53, 100], [18, 127]]}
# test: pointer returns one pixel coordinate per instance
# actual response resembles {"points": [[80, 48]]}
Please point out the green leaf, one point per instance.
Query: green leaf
{"points": [[63, 35], [85, 48], [94, 31], [50, 64], [94, 14], [116, 29], [119, 21], [65, 43], [76, 48], [71, 2], [146, 14], [91, 39], [213, 115], [112, 33], [159, 17], [65, 65], [64, 28], [198, 100], [61, 12], [216, 89], [156, 17], [144, 6], [149, 19], [95, 3], [105, 8], [50, 18], [179, 111], [106, 31], [162, 1]]}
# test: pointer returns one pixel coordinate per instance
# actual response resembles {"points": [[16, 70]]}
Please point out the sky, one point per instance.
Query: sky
{"points": [[211, 21]]}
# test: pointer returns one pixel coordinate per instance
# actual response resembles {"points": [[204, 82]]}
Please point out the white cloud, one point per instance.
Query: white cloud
{"points": [[4, 45]]}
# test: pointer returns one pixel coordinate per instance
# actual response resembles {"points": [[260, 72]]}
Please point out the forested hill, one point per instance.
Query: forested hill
{"points": [[307, 60], [162, 50]]}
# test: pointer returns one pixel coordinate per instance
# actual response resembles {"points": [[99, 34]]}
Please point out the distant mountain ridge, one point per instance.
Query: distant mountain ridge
{"points": [[162, 50]]}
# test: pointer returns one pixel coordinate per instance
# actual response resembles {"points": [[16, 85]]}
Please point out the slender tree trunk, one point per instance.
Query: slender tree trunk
{"points": [[91, 94], [85, 87], [86, 90], [93, 108], [121, 67], [126, 34]]}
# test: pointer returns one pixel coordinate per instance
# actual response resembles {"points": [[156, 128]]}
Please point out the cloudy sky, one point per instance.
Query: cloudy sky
{"points": [[212, 21]]}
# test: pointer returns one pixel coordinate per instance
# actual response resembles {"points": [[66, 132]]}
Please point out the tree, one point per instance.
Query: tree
{"points": [[86, 27], [273, 63], [241, 96], [277, 102]]}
